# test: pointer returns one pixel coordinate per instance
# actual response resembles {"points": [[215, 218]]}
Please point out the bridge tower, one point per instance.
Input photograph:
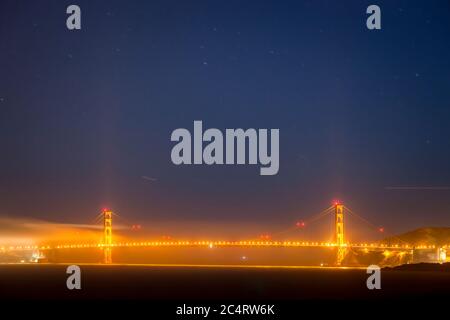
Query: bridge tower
{"points": [[442, 255], [339, 232], [107, 236]]}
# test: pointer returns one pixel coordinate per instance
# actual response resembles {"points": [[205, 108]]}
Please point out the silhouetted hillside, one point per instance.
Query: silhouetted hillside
{"points": [[444, 267], [423, 236]]}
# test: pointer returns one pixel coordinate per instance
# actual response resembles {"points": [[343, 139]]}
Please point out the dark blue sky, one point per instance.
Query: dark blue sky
{"points": [[85, 115]]}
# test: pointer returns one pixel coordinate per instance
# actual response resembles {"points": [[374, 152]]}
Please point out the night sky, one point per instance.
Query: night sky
{"points": [[86, 116]]}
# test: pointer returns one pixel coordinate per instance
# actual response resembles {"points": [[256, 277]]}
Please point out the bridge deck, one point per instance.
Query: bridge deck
{"points": [[300, 244]]}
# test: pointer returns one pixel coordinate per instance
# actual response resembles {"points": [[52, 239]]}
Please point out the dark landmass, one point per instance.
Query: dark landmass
{"points": [[433, 267], [423, 236]]}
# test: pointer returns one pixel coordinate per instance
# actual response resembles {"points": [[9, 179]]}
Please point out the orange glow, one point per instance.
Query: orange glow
{"points": [[336, 202]]}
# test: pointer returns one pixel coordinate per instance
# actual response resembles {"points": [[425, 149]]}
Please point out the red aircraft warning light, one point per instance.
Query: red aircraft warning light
{"points": [[300, 224], [381, 229]]}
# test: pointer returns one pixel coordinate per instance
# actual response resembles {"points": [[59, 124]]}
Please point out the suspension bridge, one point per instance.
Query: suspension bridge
{"points": [[340, 245]]}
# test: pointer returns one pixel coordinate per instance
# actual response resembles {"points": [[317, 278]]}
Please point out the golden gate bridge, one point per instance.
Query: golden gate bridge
{"points": [[340, 245]]}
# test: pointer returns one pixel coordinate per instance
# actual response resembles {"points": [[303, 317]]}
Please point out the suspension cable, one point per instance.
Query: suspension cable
{"points": [[313, 218], [369, 223]]}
